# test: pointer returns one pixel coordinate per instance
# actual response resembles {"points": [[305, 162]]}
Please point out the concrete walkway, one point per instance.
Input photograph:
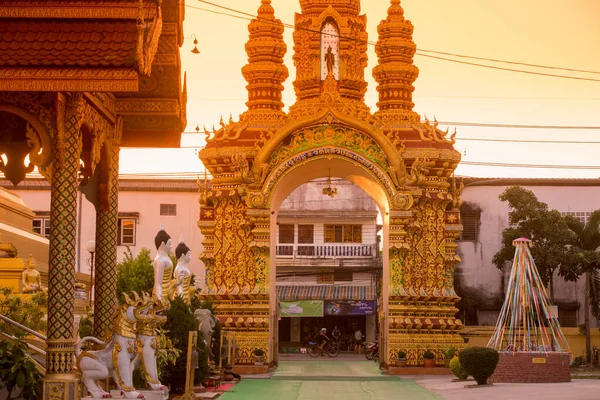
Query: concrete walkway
{"points": [[577, 389], [331, 380]]}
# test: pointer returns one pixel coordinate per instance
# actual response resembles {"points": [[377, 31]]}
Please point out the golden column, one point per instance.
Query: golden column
{"points": [[105, 301], [59, 381]]}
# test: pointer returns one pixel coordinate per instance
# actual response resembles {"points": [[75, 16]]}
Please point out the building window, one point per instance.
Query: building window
{"points": [[306, 233], [126, 232], [168, 209], [41, 226], [581, 216], [343, 233], [286, 233], [567, 317], [470, 215]]}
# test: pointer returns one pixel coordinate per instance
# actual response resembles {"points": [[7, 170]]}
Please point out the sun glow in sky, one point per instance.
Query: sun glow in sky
{"points": [[560, 33]]}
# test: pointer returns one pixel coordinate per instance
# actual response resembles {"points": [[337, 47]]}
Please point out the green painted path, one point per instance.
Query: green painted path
{"points": [[332, 380]]}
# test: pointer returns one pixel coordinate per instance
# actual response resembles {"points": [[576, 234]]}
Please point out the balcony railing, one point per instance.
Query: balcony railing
{"points": [[327, 250]]}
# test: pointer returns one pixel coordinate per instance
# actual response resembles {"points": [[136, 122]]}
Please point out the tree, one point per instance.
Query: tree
{"points": [[585, 257], [547, 230], [135, 274]]}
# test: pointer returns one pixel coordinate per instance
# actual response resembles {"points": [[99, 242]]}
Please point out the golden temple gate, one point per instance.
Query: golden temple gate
{"points": [[405, 165]]}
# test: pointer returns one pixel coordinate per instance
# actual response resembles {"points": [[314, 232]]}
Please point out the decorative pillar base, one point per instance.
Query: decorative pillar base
{"points": [[60, 387], [421, 323], [247, 318]]}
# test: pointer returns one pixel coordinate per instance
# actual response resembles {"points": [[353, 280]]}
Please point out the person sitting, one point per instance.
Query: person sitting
{"points": [[322, 339]]}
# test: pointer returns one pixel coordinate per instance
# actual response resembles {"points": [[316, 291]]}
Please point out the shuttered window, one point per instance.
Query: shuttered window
{"points": [[286, 233], [305, 233], [470, 221]]}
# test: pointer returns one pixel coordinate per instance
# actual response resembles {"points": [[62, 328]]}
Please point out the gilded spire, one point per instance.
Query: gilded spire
{"points": [[396, 72], [265, 71]]}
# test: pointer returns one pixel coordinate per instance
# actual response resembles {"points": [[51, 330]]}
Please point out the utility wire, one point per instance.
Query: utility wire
{"points": [[511, 165], [249, 16], [518, 126]]}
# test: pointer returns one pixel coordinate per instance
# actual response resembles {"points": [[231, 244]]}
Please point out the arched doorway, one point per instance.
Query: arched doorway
{"points": [[320, 167]]}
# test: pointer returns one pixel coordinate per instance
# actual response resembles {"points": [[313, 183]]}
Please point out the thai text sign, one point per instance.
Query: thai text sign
{"points": [[349, 307], [301, 308]]}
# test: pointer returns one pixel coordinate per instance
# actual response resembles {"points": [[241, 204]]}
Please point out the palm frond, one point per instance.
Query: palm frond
{"points": [[592, 232], [575, 226]]}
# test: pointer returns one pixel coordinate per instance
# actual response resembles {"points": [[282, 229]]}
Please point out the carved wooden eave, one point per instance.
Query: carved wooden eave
{"points": [[77, 45], [155, 115]]}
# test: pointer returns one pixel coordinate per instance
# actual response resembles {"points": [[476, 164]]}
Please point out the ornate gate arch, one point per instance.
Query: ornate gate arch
{"points": [[411, 163]]}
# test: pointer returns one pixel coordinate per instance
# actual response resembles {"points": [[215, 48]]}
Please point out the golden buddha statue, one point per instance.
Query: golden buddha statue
{"points": [[31, 278]]}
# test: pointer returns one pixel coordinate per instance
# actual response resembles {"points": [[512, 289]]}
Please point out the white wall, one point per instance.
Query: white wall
{"points": [[476, 269], [147, 204]]}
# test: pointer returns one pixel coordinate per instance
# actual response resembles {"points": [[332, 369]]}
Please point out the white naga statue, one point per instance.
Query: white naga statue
{"points": [[206, 325], [163, 267], [182, 274]]}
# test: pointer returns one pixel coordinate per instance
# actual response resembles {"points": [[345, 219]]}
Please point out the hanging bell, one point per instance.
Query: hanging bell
{"points": [[195, 49]]}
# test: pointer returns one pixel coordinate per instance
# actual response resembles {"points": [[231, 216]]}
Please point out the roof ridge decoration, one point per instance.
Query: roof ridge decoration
{"points": [[148, 38], [265, 71], [396, 72]]}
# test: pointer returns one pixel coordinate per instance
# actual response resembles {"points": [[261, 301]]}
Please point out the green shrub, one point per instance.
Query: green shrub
{"points": [[428, 355], [180, 321], [479, 362], [457, 369], [449, 353], [401, 355], [135, 274], [31, 312], [17, 371], [86, 324]]}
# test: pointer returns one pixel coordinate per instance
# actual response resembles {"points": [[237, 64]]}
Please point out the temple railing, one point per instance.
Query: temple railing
{"points": [[327, 250]]}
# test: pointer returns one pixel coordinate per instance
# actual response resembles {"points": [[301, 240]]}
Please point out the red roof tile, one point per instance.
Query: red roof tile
{"points": [[67, 43]]}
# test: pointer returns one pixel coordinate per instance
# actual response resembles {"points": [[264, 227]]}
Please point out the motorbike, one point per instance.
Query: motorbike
{"points": [[372, 351]]}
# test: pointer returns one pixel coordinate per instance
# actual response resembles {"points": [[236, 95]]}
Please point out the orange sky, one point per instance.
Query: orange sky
{"points": [[550, 32]]}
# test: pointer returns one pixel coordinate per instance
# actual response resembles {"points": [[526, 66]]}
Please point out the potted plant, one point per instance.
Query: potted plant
{"points": [[429, 359], [259, 356], [448, 355], [401, 360]]}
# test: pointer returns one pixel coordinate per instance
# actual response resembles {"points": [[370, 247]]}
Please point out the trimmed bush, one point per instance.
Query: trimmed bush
{"points": [[479, 362], [457, 369], [401, 355], [428, 355]]}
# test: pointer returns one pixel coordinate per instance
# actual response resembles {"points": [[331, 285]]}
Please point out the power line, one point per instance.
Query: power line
{"points": [[518, 126], [510, 62], [511, 165], [525, 141], [250, 17]]}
